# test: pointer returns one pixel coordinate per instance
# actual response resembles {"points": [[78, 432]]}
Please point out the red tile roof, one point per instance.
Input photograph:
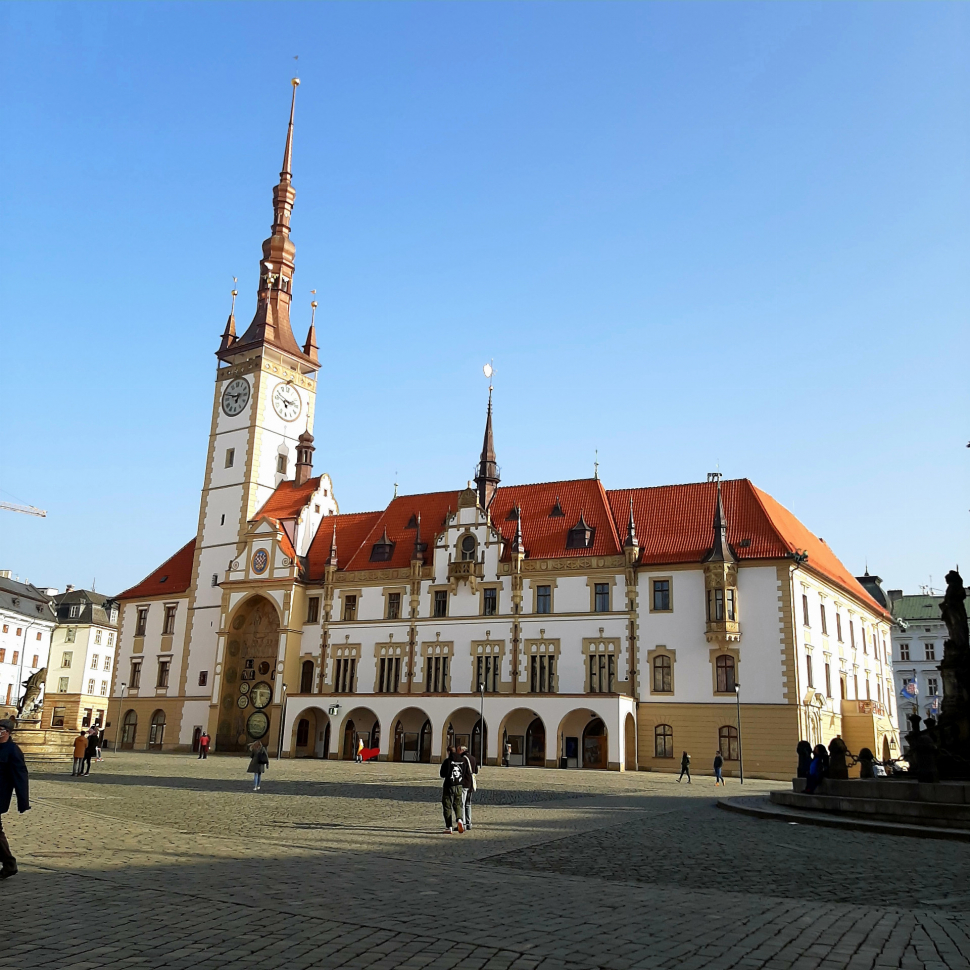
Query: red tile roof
{"points": [[284, 541], [674, 524], [433, 507], [351, 529], [288, 500], [545, 537], [173, 576]]}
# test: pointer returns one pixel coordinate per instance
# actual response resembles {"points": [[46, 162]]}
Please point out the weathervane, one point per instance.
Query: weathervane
{"points": [[596, 463], [488, 370], [235, 293], [313, 307]]}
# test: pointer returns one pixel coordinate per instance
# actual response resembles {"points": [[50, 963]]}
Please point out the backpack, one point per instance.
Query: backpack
{"points": [[456, 773]]}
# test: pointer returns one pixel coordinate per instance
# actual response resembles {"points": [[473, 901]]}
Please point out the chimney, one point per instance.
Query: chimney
{"points": [[69, 588], [4, 574]]}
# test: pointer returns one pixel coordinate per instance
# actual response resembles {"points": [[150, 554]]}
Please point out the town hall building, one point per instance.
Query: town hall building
{"points": [[576, 626]]}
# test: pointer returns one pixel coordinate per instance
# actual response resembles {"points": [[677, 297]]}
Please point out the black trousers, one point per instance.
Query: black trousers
{"points": [[6, 856], [86, 765]]}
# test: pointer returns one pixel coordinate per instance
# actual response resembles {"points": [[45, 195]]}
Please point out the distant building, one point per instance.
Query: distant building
{"points": [[82, 659], [917, 638], [26, 623]]}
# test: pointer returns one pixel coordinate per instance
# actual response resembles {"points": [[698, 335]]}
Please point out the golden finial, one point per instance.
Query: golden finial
{"points": [[235, 293]]}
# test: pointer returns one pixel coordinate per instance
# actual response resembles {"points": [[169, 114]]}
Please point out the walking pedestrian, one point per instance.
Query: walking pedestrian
{"points": [[469, 784], [13, 777], [91, 750], [452, 770], [100, 744], [204, 746], [507, 753], [684, 767], [258, 763], [718, 765], [80, 750], [359, 758]]}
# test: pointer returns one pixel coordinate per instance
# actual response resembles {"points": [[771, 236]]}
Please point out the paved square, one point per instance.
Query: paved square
{"points": [[167, 861]]}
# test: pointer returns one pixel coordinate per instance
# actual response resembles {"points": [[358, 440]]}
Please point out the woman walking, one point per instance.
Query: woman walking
{"points": [[684, 767], [258, 763]]}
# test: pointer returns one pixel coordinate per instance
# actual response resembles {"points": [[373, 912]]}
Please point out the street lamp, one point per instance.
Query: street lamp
{"points": [[121, 704], [481, 727], [737, 694]]}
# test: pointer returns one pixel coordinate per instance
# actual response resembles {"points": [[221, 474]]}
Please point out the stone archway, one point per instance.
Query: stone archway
{"points": [[630, 743], [595, 749], [309, 733], [411, 738], [464, 727], [360, 724], [248, 675]]}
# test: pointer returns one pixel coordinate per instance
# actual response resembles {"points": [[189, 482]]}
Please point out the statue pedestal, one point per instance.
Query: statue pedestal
{"points": [[44, 746]]}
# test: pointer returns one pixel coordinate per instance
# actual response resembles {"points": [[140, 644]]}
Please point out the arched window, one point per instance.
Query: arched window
{"points": [[727, 742], [468, 547], [425, 743], [375, 735], [129, 729], [724, 665], [662, 675], [156, 732], [306, 677], [663, 741], [303, 733]]}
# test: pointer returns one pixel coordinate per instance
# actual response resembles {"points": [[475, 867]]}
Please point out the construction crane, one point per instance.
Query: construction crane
{"points": [[25, 509]]}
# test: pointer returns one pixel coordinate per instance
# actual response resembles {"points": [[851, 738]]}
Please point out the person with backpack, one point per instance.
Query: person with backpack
{"points": [[469, 783], [258, 763], [453, 772], [684, 767], [718, 765]]}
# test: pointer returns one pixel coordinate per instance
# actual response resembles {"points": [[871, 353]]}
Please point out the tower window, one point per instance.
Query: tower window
{"points": [[281, 464], [490, 602], [222, 521], [230, 457]]}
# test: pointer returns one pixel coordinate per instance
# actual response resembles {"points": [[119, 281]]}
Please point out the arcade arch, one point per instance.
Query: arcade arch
{"points": [[310, 735], [464, 727], [360, 724], [412, 736], [525, 732]]}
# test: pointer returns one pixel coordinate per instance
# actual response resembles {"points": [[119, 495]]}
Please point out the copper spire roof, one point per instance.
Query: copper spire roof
{"points": [[271, 324], [488, 475]]}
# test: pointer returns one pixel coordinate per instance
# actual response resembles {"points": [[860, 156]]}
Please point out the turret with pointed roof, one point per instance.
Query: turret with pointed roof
{"points": [[271, 324], [721, 550], [488, 475]]}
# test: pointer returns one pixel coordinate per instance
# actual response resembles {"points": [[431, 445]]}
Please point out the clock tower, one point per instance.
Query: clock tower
{"points": [[265, 392]]}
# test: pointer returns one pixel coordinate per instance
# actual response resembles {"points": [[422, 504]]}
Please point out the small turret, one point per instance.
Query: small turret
{"points": [[304, 458]]}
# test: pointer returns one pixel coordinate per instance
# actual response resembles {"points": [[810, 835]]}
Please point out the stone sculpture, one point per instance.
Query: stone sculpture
{"points": [[33, 685], [954, 724], [838, 766]]}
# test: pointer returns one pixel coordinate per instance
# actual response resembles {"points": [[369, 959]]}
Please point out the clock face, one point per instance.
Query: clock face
{"points": [[286, 402], [261, 695], [257, 725], [235, 397]]}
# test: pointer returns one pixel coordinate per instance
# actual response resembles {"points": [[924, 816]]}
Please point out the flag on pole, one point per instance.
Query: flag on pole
{"points": [[910, 689]]}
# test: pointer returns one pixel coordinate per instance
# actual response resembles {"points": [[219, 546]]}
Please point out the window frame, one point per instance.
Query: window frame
{"points": [[664, 732], [312, 610], [141, 621], [730, 678], [654, 581]]}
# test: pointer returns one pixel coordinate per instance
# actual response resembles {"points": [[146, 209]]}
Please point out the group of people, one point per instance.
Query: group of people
{"points": [[459, 771], [718, 766], [87, 746]]}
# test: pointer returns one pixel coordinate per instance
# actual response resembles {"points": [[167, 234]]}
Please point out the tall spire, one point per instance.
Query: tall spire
{"points": [[332, 558], [488, 475], [721, 550], [417, 554], [310, 347], [271, 324], [518, 549], [229, 334], [631, 530]]}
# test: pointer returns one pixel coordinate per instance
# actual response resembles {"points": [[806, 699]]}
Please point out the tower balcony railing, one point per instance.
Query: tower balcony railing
{"points": [[466, 569]]}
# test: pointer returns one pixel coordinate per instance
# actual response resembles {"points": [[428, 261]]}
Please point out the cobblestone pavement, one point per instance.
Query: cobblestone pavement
{"points": [[166, 861]]}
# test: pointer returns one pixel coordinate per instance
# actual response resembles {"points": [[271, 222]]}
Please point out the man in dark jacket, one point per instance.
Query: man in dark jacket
{"points": [[453, 771], [91, 750], [13, 777]]}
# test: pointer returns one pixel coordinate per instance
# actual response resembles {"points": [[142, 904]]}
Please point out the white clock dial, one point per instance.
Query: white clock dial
{"points": [[286, 402], [236, 396]]}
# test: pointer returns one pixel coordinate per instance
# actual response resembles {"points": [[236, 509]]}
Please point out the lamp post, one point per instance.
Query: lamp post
{"points": [[279, 750], [737, 694], [121, 704], [481, 728]]}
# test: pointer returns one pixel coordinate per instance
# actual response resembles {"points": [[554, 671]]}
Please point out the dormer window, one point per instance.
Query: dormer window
{"points": [[412, 522], [557, 512], [468, 548], [580, 535], [382, 550], [513, 515]]}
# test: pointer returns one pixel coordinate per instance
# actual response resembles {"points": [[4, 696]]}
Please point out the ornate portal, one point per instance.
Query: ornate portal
{"points": [[253, 642]]}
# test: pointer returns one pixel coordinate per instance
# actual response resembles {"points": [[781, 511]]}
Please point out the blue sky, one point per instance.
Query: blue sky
{"points": [[688, 234]]}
